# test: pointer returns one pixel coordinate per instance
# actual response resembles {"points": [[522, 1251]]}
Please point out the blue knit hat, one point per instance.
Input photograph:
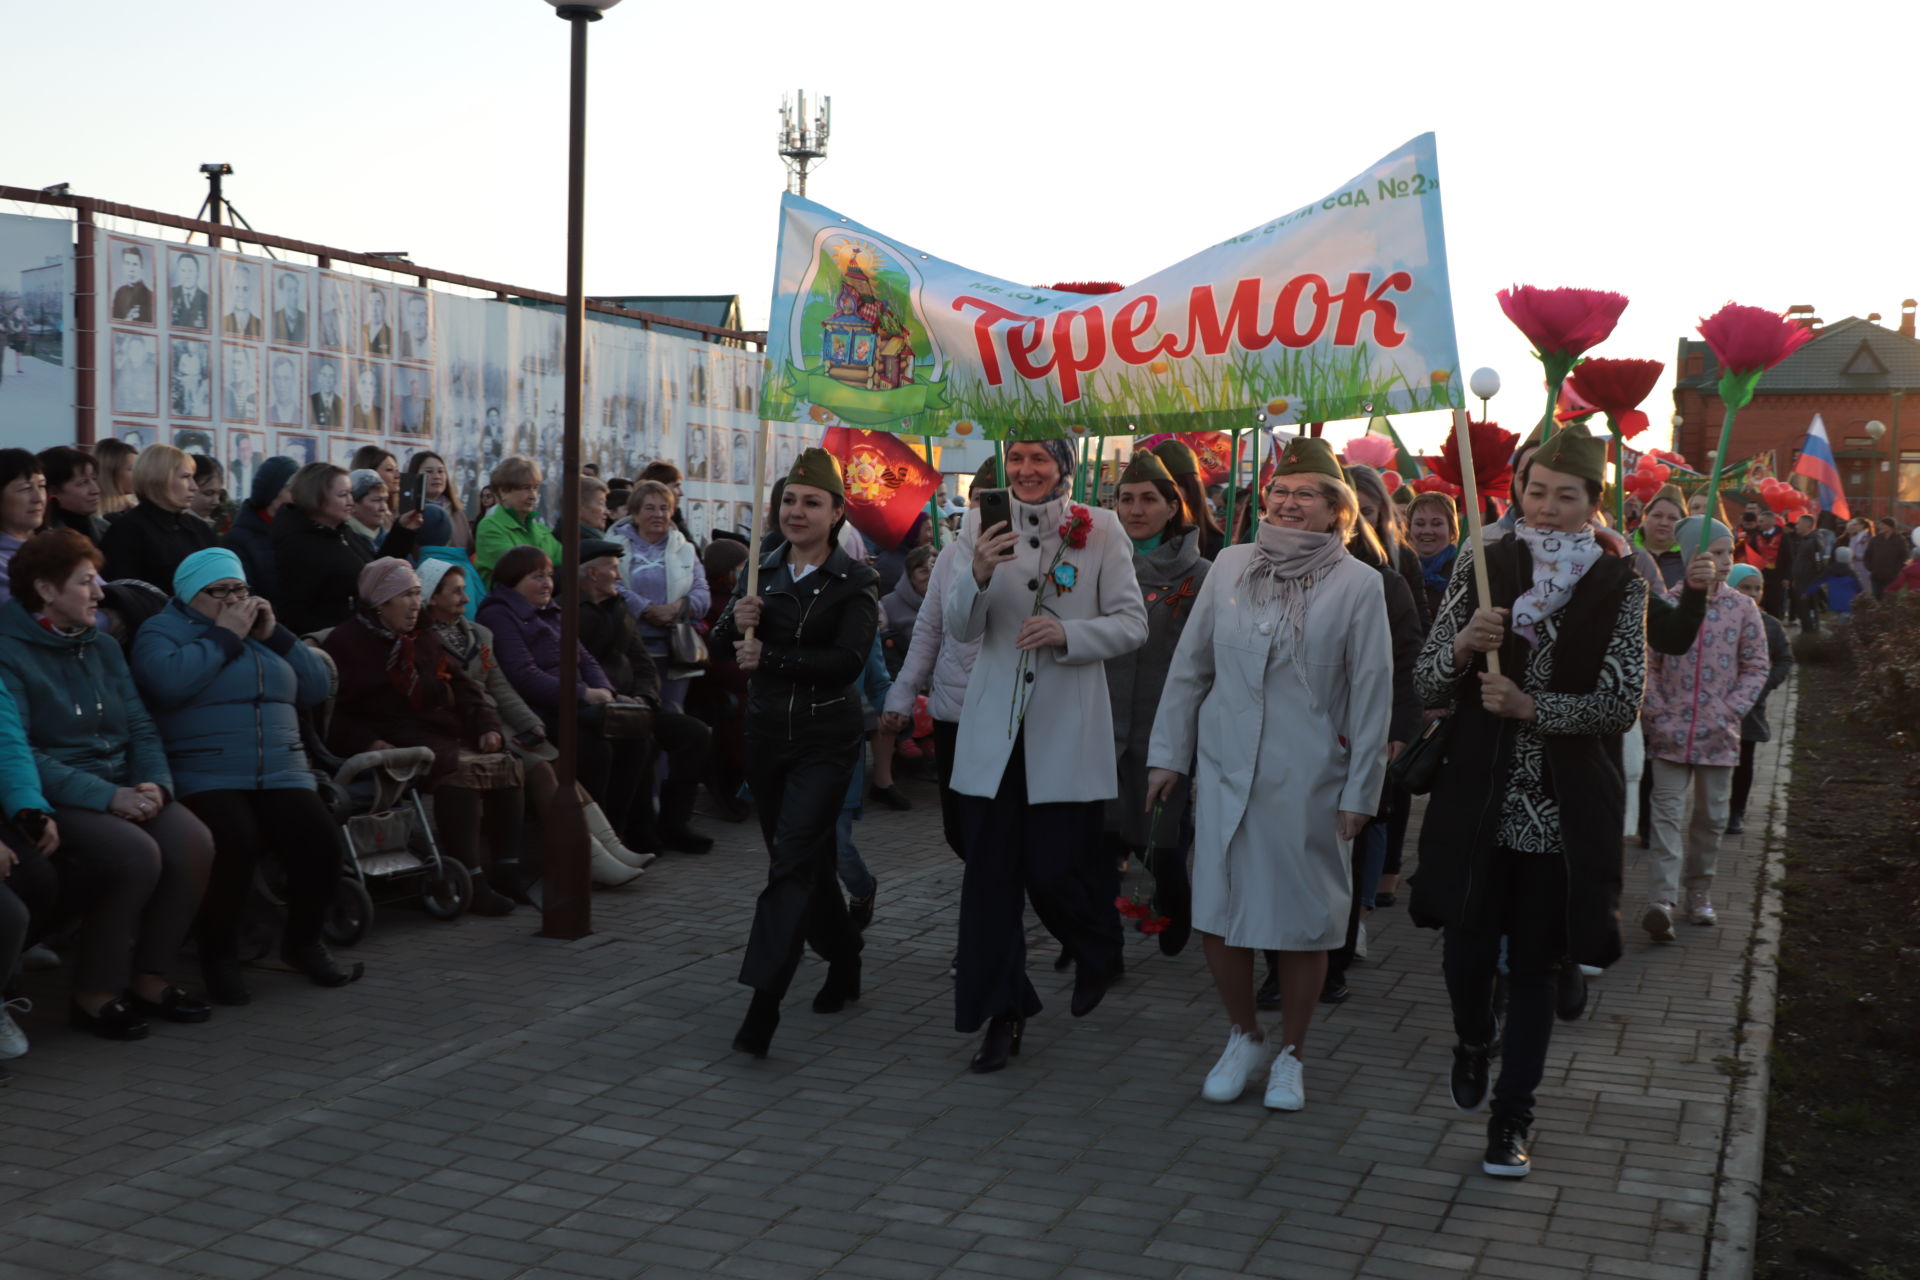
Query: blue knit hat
{"points": [[202, 567], [1740, 573]]}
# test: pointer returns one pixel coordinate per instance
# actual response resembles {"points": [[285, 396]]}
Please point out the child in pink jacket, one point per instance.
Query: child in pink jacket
{"points": [[1691, 716]]}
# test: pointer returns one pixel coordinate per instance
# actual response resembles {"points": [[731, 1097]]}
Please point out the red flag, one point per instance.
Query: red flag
{"points": [[888, 484]]}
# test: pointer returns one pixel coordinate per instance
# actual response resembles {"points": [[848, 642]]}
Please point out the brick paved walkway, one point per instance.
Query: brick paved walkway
{"points": [[490, 1105]]}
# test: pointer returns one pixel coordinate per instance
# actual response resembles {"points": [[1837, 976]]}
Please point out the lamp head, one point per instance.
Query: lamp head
{"points": [[1484, 383], [588, 9], [1876, 428]]}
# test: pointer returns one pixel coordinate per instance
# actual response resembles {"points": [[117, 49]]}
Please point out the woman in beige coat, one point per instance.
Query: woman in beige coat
{"points": [[1034, 759], [1283, 684]]}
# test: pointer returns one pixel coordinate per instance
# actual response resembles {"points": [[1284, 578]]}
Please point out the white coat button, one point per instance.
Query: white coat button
{"points": [[1266, 628]]}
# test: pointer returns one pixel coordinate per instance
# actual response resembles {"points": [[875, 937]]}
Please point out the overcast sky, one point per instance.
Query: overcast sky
{"points": [[1684, 154]]}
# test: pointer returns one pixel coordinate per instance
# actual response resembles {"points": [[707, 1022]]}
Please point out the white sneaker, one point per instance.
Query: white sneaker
{"points": [[1242, 1058], [1286, 1083], [1658, 922], [1700, 908], [13, 1041]]}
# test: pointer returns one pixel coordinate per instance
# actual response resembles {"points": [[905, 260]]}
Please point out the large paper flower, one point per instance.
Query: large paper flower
{"points": [[1492, 470], [1370, 451], [1616, 388], [1561, 324], [1748, 341]]}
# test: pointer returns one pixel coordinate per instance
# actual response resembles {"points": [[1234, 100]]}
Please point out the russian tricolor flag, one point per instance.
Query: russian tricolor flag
{"points": [[1816, 462]]}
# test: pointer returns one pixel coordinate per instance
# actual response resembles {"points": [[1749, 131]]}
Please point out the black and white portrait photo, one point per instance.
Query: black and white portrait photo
{"points": [[286, 388], [244, 453], [196, 442], [416, 325], [696, 452], [412, 401], [187, 303], [742, 459], [339, 318], [290, 307], [240, 382], [240, 299], [132, 282], [301, 448], [136, 373], [375, 325], [369, 407], [326, 406], [190, 378]]}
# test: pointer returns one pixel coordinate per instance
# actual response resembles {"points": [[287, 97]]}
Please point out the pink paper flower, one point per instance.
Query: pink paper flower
{"points": [[1562, 321], [1751, 339]]}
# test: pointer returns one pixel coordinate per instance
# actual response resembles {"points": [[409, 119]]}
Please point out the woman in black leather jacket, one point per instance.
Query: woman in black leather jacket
{"points": [[812, 627]]}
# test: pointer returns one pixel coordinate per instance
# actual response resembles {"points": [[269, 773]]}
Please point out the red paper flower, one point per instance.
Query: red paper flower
{"points": [[1616, 388], [1492, 465], [1155, 924], [1076, 526], [1431, 483], [1129, 908], [1752, 339], [1562, 321]]}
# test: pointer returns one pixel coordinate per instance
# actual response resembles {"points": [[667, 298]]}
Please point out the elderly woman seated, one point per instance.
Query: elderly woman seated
{"points": [[444, 586], [225, 682], [525, 621], [133, 862], [399, 688]]}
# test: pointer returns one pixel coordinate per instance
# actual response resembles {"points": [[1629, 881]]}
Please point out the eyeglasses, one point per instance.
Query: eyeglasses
{"points": [[239, 591], [1277, 494]]}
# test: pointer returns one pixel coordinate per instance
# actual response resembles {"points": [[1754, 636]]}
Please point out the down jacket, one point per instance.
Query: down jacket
{"points": [[227, 708], [1696, 700], [90, 731]]}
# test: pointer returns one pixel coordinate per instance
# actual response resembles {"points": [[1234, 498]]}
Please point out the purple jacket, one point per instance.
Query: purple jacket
{"points": [[526, 643]]}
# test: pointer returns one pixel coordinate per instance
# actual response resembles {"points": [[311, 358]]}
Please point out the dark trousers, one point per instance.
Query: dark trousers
{"points": [[686, 742], [613, 771], [1014, 851], [466, 817], [135, 887], [1528, 906], [946, 735], [1399, 813], [1742, 781], [295, 824], [798, 788], [27, 899], [1806, 609]]}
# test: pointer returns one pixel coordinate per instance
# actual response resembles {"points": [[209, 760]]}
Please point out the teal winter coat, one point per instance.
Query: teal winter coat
{"points": [[90, 732], [19, 780], [227, 708]]}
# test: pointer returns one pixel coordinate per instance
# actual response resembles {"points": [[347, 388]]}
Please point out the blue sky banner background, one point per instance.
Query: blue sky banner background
{"points": [[1337, 309]]}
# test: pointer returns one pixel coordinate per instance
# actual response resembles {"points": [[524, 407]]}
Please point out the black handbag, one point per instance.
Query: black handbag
{"points": [[1417, 767]]}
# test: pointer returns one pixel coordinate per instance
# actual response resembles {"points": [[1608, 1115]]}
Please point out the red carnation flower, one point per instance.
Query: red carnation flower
{"points": [[1075, 527], [1431, 483], [1752, 339], [1562, 321], [1155, 924], [1492, 465], [1616, 388]]}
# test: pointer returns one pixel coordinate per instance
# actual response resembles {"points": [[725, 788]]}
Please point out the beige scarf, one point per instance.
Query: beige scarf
{"points": [[1285, 565]]}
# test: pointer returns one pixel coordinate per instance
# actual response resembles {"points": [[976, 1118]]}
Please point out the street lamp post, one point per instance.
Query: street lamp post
{"points": [[567, 910]]}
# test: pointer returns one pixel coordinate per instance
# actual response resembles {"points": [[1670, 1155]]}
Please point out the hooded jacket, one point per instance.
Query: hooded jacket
{"points": [[90, 731], [1696, 700], [228, 709], [19, 778]]}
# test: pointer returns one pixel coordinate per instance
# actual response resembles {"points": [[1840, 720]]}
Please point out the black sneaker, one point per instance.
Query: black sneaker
{"points": [[686, 840], [1735, 826], [1468, 1082], [860, 910], [1570, 992], [1507, 1141], [1268, 996], [1334, 991]]}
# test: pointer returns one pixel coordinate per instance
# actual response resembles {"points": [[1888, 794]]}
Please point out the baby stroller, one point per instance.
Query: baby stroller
{"points": [[375, 797]]}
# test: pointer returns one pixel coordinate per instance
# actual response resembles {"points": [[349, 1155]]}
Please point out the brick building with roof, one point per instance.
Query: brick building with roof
{"points": [[1852, 374]]}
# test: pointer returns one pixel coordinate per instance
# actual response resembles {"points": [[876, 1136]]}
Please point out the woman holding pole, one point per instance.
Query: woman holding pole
{"points": [[1539, 648], [803, 636]]}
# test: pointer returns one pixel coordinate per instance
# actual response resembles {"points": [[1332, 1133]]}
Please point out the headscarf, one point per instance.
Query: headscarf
{"points": [[1285, 565], [1559, 560], [431, 573], [1063, 454], [203, 567], [363, 482], [1740, 573], [380, 582], [269, 478]]}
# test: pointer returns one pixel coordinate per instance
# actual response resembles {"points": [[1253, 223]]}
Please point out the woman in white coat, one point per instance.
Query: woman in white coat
{"points": [[1283, 684], [1049, 599]]}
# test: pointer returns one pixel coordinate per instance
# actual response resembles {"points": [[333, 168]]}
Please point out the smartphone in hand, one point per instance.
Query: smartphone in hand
{"points": [[996, 507], [413, 492]]}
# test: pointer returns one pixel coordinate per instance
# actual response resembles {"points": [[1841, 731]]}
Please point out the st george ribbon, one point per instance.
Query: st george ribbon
{"points": [[1338, 309]]}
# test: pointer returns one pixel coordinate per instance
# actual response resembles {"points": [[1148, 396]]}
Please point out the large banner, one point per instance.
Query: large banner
{"points": [[241, 357], [36, 327], [1339, 309]]}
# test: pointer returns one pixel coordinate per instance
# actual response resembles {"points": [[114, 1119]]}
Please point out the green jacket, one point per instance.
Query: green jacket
{"points": [[89, 729], [500, 531]]}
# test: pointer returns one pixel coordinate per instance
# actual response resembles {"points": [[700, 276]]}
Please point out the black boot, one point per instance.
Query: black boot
{"points": [[1002, 1043], [511, 881], [860, 910], [322, 970], [756, 1030], [220, 969], [843, 984], [1570, 992], [488, 901], [676, 807]]}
